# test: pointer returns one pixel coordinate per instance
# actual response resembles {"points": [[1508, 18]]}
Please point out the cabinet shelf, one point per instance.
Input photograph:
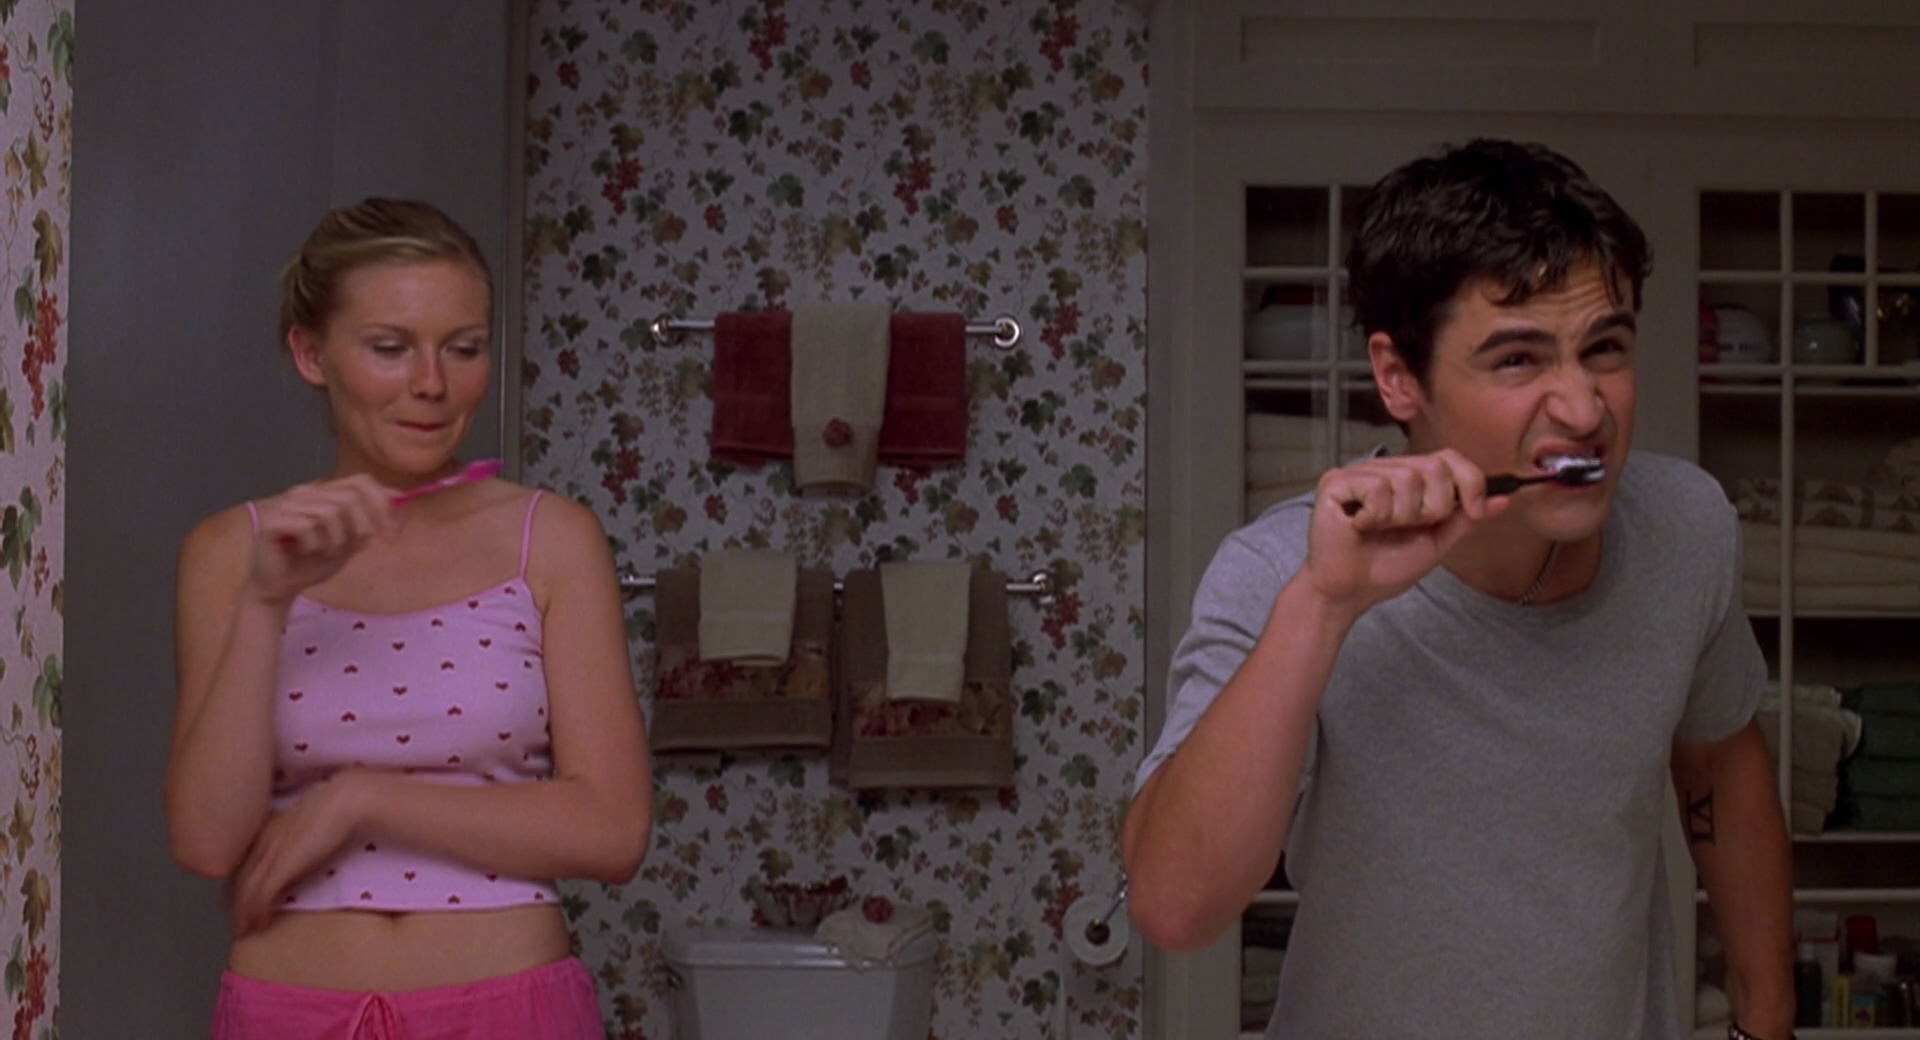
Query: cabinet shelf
{"points": [[1844, 837], [1890, 280], [1756, 373], [1291, 273], [1773, 613], [1815, 1033], [1845, 896]]}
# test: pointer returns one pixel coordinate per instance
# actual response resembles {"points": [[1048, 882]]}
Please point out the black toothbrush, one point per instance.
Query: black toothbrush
{"points": [[1572, 474]]}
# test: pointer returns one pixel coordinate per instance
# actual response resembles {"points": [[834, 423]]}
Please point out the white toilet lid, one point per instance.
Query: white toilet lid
{"points": [[738, 946]]}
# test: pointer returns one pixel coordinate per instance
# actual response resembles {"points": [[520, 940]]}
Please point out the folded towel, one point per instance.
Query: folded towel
{"points": [[1259, 961], [926, 608], [1273, 430], [1712, 1008], [1883, 777], [1884, 698], [925, 418], [1885, 735], [881, 742], [746, 606], [1808, 817], [711, 705], [1883, 814], [839, 393], [1901, 467], [1821, 700], [873, 942], [1882, 505], [752, 387], [1821, 736], [1833, 556]]}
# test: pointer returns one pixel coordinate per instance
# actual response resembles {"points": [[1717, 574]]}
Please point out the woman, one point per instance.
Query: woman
{"points": [[367, 690]]}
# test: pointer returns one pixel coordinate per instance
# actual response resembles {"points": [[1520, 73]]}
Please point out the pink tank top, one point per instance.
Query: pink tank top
{"points": [[450, 694]]}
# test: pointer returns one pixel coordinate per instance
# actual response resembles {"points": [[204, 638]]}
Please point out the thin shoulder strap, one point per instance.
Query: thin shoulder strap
{"points": [[526, 532], [253, 516]]}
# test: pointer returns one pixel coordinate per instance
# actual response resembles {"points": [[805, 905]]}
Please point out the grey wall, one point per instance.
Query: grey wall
{"points": [[208, 137]]}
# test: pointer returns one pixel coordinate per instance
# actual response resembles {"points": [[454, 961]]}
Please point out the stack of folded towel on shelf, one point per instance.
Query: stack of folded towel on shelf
{"points": [[1855, 546], [1824, 733], [1880, 784], [1287, 453]]}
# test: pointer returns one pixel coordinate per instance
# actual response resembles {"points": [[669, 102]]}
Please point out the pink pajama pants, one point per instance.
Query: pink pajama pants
{"points": [[551, 1002]]}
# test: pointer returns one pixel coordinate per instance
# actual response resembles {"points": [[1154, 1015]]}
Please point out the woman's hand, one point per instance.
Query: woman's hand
{"points": [[292, 844], [310, 531]]}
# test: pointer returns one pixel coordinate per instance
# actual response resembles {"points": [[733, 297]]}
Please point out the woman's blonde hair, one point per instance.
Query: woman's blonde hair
{"points": [[374, 231]]}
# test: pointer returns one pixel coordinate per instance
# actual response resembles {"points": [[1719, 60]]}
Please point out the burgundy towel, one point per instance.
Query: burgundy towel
{"points": [[925, 422], [752, 370]]}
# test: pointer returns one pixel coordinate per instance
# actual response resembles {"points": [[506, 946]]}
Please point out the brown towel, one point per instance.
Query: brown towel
{"points": [[880, 742], [705, 705]]}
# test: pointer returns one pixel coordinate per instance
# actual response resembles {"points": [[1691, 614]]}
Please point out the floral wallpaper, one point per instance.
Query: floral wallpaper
{"points": [[36, 131], [687, 157]]}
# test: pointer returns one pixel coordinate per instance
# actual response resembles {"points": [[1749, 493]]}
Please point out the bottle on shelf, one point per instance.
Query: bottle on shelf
{"points": [[1809, 988]]}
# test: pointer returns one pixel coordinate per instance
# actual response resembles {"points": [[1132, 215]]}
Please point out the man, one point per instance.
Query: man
{"points": [[1476, 701]]}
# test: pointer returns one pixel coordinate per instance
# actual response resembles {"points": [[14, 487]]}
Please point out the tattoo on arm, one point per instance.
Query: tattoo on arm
{"points": [[1700, 818]]}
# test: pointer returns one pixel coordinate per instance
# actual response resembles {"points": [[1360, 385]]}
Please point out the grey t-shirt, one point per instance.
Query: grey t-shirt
{"points": [[1477, 840]]}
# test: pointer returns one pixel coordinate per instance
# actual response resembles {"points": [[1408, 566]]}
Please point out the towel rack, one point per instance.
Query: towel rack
{"points": [[1004, 329], [1039, 583]]}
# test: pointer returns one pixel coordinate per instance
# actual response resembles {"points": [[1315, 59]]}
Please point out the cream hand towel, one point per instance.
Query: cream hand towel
{"points": [[839, 393], [926, 616], [746, 606]]}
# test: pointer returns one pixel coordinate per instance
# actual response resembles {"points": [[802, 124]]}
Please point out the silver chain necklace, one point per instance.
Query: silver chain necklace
{"points": [[1540, 580]]}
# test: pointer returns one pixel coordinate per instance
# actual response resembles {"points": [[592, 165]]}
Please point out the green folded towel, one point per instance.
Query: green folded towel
{"points": [[1882, 777], [1884, 699], [1884, 735], [1883, 814]]}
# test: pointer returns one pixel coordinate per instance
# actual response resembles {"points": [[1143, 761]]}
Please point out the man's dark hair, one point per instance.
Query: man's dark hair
{"points": [[1518, 214]]}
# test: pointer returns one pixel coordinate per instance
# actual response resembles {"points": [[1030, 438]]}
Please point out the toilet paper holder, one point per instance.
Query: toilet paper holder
{"points": [[1098, 930]]}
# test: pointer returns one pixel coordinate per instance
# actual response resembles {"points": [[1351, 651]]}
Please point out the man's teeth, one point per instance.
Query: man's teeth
{"points": [[1559, 463]]}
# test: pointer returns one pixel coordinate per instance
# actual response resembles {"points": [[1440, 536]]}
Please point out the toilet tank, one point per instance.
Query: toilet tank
{"points": [[763, 983]]}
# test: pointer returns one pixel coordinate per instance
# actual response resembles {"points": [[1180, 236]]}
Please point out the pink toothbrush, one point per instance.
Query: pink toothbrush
{"points": [[472, 471]]}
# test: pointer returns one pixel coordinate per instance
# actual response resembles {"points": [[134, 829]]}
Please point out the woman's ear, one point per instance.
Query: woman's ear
{"points": [[1400, 390], [305, 348]]}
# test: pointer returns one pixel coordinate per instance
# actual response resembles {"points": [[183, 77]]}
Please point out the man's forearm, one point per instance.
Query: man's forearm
{"points": [[1730, 811]]}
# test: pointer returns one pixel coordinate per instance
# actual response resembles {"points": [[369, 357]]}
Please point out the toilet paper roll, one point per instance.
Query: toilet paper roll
{"points": [[1092, 940]]}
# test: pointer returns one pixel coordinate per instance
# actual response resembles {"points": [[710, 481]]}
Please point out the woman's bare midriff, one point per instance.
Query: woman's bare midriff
{"points": [[363, 950]]}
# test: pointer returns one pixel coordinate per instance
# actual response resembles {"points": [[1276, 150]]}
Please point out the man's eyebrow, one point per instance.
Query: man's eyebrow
{"points": [[1609, 322], [1536, 337], [1502, 337]]}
